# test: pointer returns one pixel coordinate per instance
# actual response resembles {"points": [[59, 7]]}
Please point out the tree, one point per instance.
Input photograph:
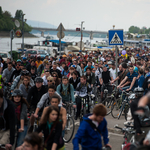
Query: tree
{"points": [[7, 14], [134, 29], [19, 14]]}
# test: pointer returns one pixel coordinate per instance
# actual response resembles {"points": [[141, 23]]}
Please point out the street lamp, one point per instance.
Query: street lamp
{"points": [[23, 33], [81, 35], [113, 26]]}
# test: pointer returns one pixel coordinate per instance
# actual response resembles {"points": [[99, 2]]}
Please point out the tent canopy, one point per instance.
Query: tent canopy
{"points": [[56, 41]]}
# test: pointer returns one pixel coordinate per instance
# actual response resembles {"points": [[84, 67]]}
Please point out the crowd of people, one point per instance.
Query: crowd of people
{"points": [[44, 86]]}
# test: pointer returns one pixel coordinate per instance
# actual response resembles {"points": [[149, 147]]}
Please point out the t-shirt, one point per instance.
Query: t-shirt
{"points": [[131, 76], [113, 72]]}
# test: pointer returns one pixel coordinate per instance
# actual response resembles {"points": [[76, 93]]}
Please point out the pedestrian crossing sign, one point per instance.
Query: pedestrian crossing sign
{"points": [[115, 37]]}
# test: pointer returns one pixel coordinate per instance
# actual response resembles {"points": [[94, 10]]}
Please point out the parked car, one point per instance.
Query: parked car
{"points": [[5, 55], [42, 54], [31, 52]]}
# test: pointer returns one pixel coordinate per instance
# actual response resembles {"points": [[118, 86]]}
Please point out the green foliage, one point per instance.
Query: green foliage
{"points": [[7, 21], [19, 14], [143, 30]]}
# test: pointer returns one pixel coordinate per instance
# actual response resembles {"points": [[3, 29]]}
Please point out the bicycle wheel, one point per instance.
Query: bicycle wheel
{"points": [[115, 108], [121, 110], [126, 109], [108, 104], [69, 129]]}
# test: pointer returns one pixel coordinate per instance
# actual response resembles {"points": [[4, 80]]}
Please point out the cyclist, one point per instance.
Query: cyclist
{"points": [[46, 98], [55, 100], [74, 80], [66, 90], [16, 72], [42, 66], [104, 80], [77, 67], [91, 130], [20, 110], [52, 129], [8, 72], [7, 122], [47, 74], [82, 90], [123, 74], [54, 69], [36, 92], [131, 76], [134, 104], [19, 80]]}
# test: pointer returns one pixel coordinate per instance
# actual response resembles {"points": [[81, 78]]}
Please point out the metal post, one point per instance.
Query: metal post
{"points": [[23, 34], [11, 38], [81, 35], [116, 63], [60, 38]]}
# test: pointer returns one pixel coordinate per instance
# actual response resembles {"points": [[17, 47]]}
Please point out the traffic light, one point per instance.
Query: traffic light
{"points": [[77, 29]]}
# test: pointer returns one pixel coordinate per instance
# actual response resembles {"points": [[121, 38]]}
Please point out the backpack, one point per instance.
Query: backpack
{"points": [[87, 85], [68, 89]]}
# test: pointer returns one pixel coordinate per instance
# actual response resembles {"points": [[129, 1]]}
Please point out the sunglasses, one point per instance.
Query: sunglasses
{"points": [[54, 76], [49, 81]]}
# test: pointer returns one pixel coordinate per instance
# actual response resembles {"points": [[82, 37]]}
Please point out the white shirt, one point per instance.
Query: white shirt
{"points": [[98, 73], [113, 72], [44, 80]]}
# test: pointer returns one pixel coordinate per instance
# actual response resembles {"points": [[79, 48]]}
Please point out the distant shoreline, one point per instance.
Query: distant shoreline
{"points": [[6, 34]]}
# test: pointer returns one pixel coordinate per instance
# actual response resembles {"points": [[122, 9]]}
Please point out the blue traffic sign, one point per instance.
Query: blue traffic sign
{"points": [[115, 37]]}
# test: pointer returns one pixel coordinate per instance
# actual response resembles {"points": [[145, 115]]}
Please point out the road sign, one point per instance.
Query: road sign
{"points": [[61, 27], [62, 35], [115, 37]]}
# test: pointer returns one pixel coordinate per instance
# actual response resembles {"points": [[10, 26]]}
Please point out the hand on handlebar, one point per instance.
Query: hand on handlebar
{"points": [[35, 115], [112, 82], [8, 146], [74, 106], [21, 130], [128, 89], [75, 95]]}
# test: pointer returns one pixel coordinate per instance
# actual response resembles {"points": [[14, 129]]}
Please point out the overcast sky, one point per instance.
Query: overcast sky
{"points": [[98, 14]]}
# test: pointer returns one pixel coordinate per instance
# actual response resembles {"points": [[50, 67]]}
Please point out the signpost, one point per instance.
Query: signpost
{"points": [[11, 38], [116, 38], [60, 34]]}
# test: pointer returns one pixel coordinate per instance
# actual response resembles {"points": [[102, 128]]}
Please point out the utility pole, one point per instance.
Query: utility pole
{"points": [[23, 34], [60, 38], [11, 38], [81, 35], [116, 49]]}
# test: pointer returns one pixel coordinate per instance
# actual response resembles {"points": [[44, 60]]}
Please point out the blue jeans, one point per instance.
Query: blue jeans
{"points": [[21, 135]]}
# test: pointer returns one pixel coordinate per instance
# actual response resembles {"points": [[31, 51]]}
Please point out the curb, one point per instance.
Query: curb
{"points": [[113, 130]]}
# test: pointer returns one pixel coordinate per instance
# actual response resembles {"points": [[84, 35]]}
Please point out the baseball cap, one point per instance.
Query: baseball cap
{"points": [[24, 58], [18, 60]]}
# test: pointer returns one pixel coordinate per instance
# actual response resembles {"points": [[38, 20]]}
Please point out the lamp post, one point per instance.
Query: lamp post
{"points": [[81, 35], [23, 34]]}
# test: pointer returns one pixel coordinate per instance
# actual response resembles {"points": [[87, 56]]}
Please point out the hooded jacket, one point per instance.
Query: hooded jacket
{"points": [[89, 138]]}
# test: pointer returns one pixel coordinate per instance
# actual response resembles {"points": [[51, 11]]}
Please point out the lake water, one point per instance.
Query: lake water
{"points": [[16, 43]]}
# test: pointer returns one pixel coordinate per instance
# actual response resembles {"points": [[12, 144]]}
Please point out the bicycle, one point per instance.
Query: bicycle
{"points": [[129, 135], [120, 106], [70, 126], [110, 99]]}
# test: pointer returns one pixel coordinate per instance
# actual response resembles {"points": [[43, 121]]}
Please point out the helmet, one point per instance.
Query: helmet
{"points": [[24, 72], [38, 79], [132, 96], [139, 91], [17, 93]]}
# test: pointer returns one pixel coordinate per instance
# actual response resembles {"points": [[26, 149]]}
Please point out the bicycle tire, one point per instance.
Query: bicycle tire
{"points": [[108, 104], [115, 108], [126, 111], [121, 110], [66, 140]]}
